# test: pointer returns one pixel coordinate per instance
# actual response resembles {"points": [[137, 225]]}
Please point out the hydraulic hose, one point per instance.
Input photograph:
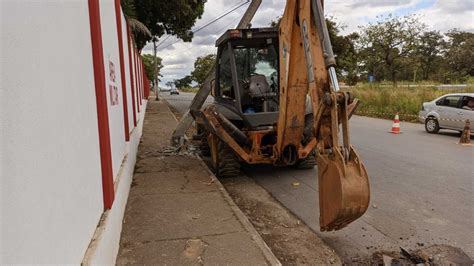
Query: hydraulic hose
{"points": [[233, 131], [329, 59]]}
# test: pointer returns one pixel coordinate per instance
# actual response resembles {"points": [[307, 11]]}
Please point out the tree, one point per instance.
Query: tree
{"points": [[202, 67], [428, 51], [170, 84], [183, 82], [167, 17], [275, 23], [387, 42], [459, 54], [149, 64], [344, 48]]}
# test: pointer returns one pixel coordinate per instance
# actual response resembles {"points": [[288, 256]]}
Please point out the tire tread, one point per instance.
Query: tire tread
{"points": [[227, 163]]}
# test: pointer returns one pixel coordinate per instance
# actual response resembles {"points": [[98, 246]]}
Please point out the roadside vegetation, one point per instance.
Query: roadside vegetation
{"points": [[383, 100], [189, 89], [397, 63], [402, 49], [202, 67]]}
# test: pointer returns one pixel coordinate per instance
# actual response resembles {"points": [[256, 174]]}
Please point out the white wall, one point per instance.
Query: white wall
{"points": [[105, 245], [111, 53], [50, 173], [2, 95], [51, 186]]}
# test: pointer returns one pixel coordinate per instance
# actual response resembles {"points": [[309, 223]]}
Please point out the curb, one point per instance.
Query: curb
{"points": [[266, 251]]}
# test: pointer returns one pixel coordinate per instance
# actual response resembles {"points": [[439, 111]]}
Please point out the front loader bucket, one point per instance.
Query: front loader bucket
{"points": [[343, 190]]}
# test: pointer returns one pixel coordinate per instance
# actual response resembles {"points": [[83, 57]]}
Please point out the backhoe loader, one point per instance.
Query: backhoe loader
{"points": [[278, 102]]}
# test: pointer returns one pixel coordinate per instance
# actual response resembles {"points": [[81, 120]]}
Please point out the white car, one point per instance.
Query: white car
{"points": [[449, 111]]}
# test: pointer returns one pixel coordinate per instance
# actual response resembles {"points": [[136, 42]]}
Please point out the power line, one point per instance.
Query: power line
{"points": [[213, 21], [209, 22], [230, 9], [160, 43], [226, 27], [221, 16]]}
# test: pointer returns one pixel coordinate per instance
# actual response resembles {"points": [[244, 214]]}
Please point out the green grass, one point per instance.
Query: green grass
{"points": [[188, 89], [385, 101]]}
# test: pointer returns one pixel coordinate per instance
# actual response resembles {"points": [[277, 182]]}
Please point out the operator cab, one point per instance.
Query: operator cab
{"points": [[246, 85]]}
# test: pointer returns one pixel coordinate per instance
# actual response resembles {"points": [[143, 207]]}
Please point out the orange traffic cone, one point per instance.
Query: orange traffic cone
{"points": [[396, 125]]}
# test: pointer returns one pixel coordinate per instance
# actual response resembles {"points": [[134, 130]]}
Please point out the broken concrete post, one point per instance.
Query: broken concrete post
{"points": [[466, 134]]}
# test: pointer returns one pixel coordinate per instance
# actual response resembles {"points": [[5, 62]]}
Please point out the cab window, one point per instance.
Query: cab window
{"points": [[260, 59], [225, 75]]}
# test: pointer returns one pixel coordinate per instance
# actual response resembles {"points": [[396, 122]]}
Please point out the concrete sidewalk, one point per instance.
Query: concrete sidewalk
{"points": [[178, 213]]}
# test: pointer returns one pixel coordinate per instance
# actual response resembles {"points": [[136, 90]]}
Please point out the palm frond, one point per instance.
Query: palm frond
{"points": [[128, 9], [139, 27]]}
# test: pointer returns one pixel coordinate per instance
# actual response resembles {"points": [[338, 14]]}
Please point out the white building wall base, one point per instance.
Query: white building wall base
{"points": [[104, 246]]}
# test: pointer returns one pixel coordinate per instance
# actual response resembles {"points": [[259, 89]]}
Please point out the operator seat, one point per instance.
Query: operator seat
{"points": [[258, 86]]}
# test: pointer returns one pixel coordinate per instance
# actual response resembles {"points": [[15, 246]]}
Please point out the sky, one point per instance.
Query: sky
{"points": [[178, 57]]}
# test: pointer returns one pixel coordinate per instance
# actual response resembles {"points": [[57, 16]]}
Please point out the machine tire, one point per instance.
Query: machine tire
{"points": [[307, 163], [227, 163], [200, 132], [431, 125], [204, 146]]}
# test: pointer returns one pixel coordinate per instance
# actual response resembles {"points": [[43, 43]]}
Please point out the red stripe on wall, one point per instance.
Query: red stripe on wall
{"points": [[132, 85], [136, 80], [118, 16], [147, 85], [143, 81], [101, 102], [140, 77]]}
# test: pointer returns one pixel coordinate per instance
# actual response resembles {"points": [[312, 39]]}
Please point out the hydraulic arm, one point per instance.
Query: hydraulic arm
{"points": [[343, 181]]}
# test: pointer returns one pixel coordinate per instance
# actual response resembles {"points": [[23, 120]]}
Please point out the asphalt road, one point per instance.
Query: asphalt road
{"points": [[421, 189], [182, 101]]}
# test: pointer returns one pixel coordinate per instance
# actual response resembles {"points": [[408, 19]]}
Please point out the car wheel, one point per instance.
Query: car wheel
{"points": [[431, 125]]}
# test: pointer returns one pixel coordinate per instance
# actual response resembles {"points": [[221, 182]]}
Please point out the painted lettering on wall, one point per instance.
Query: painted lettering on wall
{"points": [[113, 90]]}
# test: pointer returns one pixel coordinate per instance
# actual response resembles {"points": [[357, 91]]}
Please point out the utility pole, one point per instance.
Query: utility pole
{"points": [[201, 96], [249, 14], [155, 71]]}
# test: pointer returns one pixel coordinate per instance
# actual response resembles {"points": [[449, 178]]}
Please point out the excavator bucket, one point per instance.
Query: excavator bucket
{"points": [[343, 190]]}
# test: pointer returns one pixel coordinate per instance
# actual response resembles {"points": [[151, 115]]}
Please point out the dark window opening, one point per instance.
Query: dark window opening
{"points": [[257, 74], [225, 75]]}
